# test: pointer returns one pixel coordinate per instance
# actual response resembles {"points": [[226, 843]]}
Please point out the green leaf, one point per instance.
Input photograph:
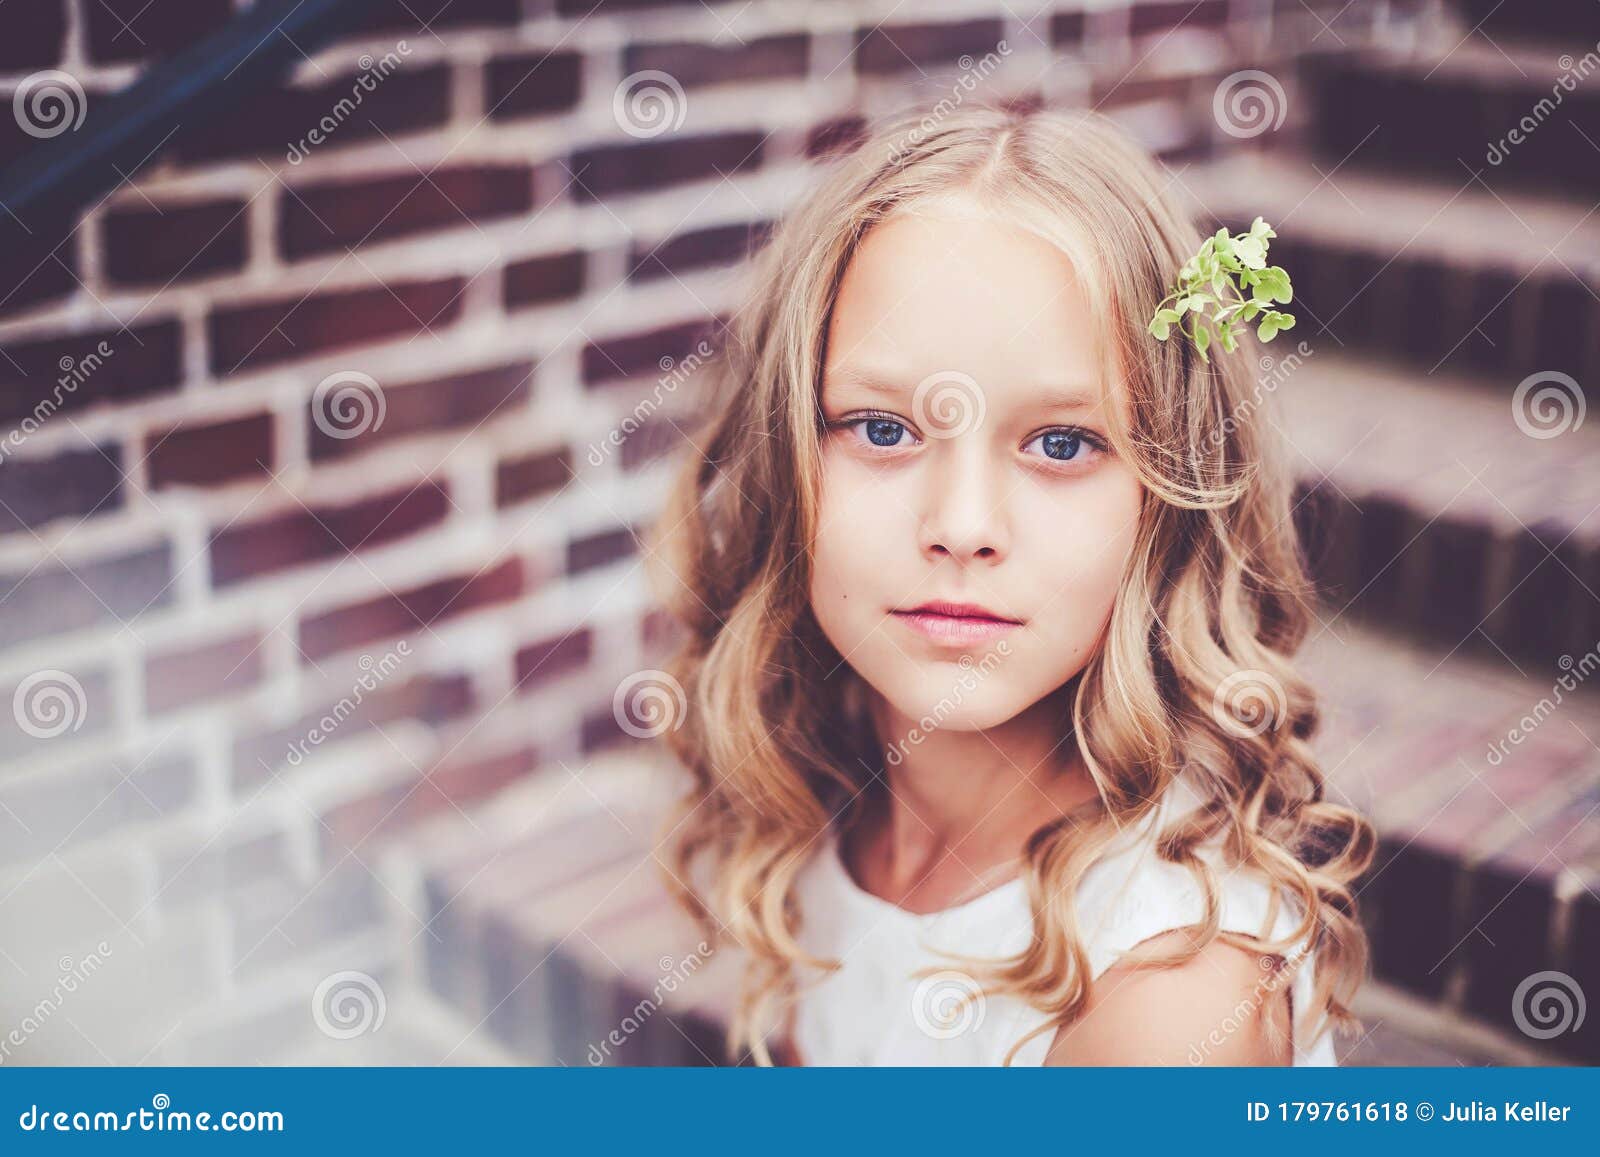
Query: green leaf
{"points": [[1251, 251]]}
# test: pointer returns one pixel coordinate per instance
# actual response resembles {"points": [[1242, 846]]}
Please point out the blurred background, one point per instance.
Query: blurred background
{"points": [[345, 348]]}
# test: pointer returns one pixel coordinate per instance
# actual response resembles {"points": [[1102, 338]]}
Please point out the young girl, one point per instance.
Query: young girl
{"points": [[989, 598]]}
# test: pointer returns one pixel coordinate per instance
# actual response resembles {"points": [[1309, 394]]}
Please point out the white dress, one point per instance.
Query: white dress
{"points": [[873, 1011]]}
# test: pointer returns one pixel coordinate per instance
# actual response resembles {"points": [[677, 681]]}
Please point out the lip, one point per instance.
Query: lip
{"points": [[955, 622]]}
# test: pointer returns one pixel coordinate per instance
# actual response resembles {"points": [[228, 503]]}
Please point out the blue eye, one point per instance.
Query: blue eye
{"points": [[1067, 445], [882, 432]]}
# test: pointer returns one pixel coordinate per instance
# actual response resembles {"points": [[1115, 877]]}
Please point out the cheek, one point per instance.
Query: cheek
{"points": [[1080, 563]]}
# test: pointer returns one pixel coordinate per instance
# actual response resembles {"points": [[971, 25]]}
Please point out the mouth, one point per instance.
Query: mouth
{"points": [[955, 622]]}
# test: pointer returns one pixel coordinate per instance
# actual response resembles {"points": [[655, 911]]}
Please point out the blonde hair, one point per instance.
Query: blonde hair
{"points": [[1215, 590]]}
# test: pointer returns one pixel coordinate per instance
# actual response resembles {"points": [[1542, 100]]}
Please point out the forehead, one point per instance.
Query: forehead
{"points": [[949, 287]]}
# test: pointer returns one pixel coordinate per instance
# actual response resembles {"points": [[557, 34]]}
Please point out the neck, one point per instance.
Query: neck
{"points": [[975, 796]]}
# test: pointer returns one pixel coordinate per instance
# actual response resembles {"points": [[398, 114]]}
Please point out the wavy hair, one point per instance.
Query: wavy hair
{"points": [[1214, 601]]}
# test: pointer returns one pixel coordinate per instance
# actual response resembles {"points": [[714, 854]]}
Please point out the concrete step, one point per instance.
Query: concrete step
{"points": [[1457, 103], [1443, 274], [1430, 506]]}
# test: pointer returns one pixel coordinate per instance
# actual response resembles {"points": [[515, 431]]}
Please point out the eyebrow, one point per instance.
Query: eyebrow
{"points": [[1057, 397]]}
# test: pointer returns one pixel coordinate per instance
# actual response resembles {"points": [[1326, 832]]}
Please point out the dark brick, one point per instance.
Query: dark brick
{"points": [[406, 612], [32, 36], [600, 549], [657, 437], [695, 64], [145, 246], [1169, 14], [457, 784], [1509, 911], [1408, 951], [181, 678], [73, 483], [210, 455], [242, 551], [620, 358], [697, 249], [550, 659], [134, 29], [450, 403], [41, 262], [139, 362], [585, 7], [1454, 553], [429, 699], [1066, 29], [835, 137], [544, 279], [437, 15], [277, 121], [519, 479], [631, 168], [253, 335], [344, 215], [52, 600], [890, 48], [532, 84]]}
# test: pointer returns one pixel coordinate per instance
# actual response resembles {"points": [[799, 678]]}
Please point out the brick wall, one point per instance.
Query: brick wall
{"points": [[311, 554]]}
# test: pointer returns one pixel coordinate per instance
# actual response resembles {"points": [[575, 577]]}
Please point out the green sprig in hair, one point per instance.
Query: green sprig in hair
{"points": [[1226, 285]]}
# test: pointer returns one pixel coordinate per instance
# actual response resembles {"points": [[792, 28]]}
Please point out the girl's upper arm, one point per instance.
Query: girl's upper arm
{"points": [[1226, 1006]]}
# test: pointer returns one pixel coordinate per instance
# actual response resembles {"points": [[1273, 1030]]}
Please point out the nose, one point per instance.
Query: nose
{"points": [[963, 515]]}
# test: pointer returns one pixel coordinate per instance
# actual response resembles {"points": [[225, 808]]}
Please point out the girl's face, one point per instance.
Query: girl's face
{"points": [[966, 461]]}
